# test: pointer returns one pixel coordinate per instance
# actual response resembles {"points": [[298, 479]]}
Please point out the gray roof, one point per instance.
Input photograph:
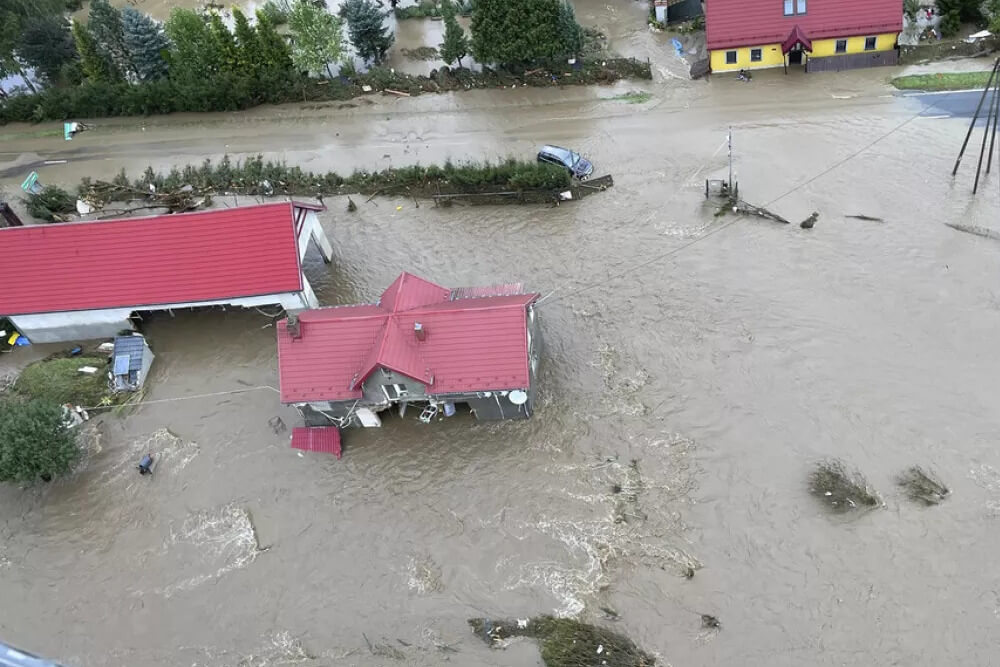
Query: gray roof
{"points": [[130, 346]]}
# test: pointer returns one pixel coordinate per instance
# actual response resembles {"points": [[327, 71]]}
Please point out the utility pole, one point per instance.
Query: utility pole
{"points": [[730, 157]]}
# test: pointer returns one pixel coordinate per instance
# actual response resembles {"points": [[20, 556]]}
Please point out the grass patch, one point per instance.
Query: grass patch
{"points": [[566, 642], [32, 135], [943, 81], [60, 381], [841, 489], [633, 97]]}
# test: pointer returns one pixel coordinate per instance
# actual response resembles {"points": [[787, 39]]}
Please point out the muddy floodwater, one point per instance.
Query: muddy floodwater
{"points": [[723, 356]]}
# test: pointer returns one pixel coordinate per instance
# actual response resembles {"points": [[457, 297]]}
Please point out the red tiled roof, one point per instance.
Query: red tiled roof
{"points": [[324, 439], [160, 260], [733, 23], [470, 344]]}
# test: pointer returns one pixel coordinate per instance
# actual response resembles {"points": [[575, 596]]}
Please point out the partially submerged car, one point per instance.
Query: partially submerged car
{"points": [[578, 166]]}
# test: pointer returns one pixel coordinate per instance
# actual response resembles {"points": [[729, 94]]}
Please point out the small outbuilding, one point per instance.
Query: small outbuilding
{"points": [[419, 345], [130, 363], [85, 280]]}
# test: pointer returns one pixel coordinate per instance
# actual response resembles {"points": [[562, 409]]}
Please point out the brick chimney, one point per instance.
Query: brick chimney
{"points": [[293, 327]]}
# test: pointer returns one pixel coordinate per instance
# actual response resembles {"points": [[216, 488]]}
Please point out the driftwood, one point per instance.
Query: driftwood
{"points": [[747, 208], [975, 230], [868, 218], [99, 193], [400, 93]]}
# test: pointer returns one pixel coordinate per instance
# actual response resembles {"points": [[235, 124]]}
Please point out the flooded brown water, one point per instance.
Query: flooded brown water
{"points": [[724, 366]]}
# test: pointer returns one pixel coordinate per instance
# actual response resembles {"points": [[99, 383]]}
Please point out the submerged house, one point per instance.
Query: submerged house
{"points": [[86, 280], [816, 35], [420, 344]]}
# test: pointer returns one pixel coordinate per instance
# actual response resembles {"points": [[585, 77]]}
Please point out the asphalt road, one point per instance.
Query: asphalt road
{"points": [[957, 104]]}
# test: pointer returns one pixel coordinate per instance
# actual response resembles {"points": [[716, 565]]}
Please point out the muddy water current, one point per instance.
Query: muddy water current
{"points": [[702, 364]]}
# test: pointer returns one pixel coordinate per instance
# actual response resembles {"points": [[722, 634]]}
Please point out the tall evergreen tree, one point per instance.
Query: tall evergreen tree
{"points": [[569, 30], [366, 27], [95, 63], [224, 42], [105, 23], [516, 31], [193, 54], [455, 45], [247, 44], [275, 53], [47, 44], [146, 44], [318, 37]]}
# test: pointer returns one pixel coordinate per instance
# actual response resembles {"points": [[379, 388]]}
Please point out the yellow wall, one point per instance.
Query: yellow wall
{"points": [[772, 57], [828, 47]]}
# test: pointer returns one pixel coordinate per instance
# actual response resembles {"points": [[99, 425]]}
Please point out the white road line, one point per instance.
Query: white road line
{"points": [[55, 162]]}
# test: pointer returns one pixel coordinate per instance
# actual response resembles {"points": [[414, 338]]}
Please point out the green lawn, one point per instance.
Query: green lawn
{"points": [[950, 81]]}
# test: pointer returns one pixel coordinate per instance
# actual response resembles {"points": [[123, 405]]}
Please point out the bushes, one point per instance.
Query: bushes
{"points": [[51, 204], [60, 381], [34, 441]]}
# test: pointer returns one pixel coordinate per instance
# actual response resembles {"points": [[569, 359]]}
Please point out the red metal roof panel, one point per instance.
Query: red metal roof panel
{"points": [[159, 260], [324, 439], [469, 344], [734, 23]]}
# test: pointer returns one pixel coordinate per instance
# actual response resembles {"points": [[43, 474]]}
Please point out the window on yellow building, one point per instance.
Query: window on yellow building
{"points": [[789, 7], [730, 57], [841, 46], [870, 43], [755, 55]]}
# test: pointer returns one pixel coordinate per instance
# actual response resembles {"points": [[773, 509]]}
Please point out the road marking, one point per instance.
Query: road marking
{"points": [[935, 117], [55, 162]]}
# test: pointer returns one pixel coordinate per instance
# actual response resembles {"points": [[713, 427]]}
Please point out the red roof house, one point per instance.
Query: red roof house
{"points": [[420, 343], [83, 280], [744, 34]]}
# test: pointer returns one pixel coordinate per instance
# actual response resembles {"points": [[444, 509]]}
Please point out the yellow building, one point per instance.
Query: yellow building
{"points": [[819, 35]]}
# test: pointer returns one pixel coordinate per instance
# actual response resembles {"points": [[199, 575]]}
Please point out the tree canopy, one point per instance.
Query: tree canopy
{"points": [[34, 442], [146, 44], [46, 44], [366, 27], [455, 45], [105, 24], [518, 31], [318, 37]]}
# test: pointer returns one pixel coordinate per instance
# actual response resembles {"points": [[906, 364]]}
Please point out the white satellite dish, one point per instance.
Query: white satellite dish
{"points": [[518, 397]]}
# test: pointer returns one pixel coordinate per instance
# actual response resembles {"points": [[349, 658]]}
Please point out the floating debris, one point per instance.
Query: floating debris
{"points": [[566, 642], [923, 486], [810, 222], [868, 218], [975, 230], [610, 614], [351, 206], [710, 622], [841, 489]]}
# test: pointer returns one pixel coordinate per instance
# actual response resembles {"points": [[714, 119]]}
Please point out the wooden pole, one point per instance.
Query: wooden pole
{"points": [[975, 116], [996, 119], [986, 133]]}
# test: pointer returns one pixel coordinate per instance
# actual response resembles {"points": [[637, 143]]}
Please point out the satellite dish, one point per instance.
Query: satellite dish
{"points": [[518, 397]]}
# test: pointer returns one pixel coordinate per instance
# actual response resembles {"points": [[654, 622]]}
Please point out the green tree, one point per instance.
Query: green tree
{"points": [[13, 15], [146, 44], [47, 45], [516, 31], [105, 23], [455, 45], [194, 54], [34, 441], [275, 54], [95, 63], [569, 30], [318, 37], [247, 44], [365, 25], [224, 43]]}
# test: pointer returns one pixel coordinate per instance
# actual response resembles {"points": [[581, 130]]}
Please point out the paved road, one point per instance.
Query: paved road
{"points": [[958, 104]]}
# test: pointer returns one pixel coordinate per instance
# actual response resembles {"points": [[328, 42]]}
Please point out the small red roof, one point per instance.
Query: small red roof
{"points": [[324, 439], [159, 260], [470, 344], [734, 23]]}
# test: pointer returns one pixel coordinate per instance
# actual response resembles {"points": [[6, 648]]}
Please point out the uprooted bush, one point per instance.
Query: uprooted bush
{"points": [[61, 381], [923, 486], [841, 489], [566, 642], [51, 204], [255, 176]]}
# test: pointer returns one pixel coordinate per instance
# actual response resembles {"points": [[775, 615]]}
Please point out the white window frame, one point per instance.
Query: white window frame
{"points": [[789, 7], [800, 6]]}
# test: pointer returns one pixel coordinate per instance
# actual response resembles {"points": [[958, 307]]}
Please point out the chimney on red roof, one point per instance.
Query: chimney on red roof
{"points": [[293, 327], [418, 330]]}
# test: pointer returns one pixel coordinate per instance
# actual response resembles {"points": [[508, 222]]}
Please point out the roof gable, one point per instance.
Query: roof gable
{"points": [[159, 260], [735, 23], [469, 344]]}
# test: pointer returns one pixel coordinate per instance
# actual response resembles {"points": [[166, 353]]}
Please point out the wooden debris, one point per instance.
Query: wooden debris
{"points": [[865, 217], [747, 208], [843, 490], [923, 486], [400, 93], [975, 230], [710, 622]]}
